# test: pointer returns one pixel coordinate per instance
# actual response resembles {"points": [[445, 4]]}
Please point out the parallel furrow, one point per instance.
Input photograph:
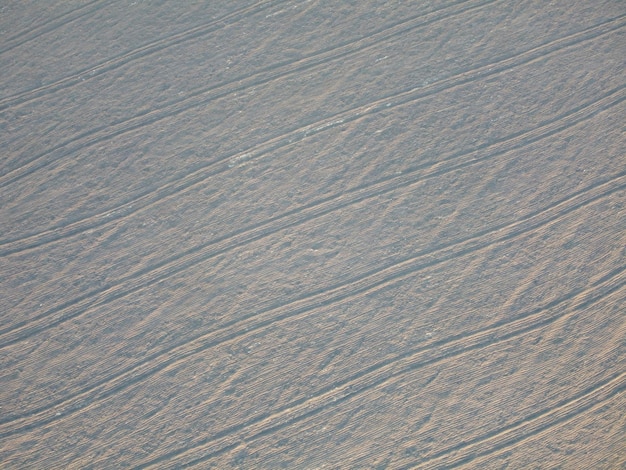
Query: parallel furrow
{"points": [[98, 135], [374, 280], [204, 96], [178, 38], [191, 181], [166, 268], [49, 26], [530, 426], [380, 374], [134, 54], [9, 246]]}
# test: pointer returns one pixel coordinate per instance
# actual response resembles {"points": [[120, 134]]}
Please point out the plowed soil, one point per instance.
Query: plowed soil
{"points": [[313, 234]]}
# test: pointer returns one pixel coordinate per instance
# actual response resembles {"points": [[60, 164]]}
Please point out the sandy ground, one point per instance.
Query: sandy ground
{"points": [[313, 234]]}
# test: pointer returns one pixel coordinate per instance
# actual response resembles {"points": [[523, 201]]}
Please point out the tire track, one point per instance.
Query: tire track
{"points": [[164, 43], [202, 97], [572, 117], [9, 246], [134, 54], [379, 374], [532, 425], [168, 267], [58, 22], [361, 285], [205, 95]]}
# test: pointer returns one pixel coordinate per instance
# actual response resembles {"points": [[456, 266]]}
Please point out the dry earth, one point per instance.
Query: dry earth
{"points": [[313, 234]]}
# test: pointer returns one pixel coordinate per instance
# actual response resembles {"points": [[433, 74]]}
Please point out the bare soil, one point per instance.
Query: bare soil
{"points": [[313, 234]]}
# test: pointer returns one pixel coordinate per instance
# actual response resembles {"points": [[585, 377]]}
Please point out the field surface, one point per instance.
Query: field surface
{"points": [[310, 234]]}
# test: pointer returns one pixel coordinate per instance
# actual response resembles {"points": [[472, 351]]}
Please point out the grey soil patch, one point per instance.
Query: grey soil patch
{"points": [[313, 234]]}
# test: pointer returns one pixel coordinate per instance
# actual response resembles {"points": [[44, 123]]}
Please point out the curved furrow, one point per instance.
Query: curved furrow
{"points": [[190, 181], [203, 96], [380, 374], [58, 22], [168, 267], [178, 38], [537, 423], [113, 63], [9, 246], [379, 278]]}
